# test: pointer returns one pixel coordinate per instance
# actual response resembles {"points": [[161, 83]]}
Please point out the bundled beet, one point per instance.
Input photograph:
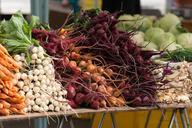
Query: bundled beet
{"points": [[99, 65], [118, 51], [87, 84], [53, 43]]}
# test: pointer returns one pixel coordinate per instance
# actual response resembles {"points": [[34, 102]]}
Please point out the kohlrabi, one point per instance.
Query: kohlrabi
{"points": [[143, 23], [168, 21], [185, 40], [138, 38], [149, 46], [170, 47], [166, 38], [153, 34]]}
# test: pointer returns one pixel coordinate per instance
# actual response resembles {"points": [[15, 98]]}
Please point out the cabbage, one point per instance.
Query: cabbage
{"points": [[126, 17], [168, 21], [178, 29], [149, 46], [170, 47], [127, 24], [156, 24], [166, 38], [123, 26], [138, 38], [137, 21], [185, 40], [153, 34], [174, 30], [142, 22]]}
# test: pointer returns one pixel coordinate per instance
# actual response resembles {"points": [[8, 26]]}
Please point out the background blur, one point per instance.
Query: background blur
{"points": [[55, 11]]}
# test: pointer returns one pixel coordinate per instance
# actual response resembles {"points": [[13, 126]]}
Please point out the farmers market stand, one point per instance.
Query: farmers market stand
{"points": [[41, 118]]}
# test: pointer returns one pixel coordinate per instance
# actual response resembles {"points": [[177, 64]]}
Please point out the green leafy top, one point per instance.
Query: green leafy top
{"points": [[16, 34], [178, 55], [82, 19]]}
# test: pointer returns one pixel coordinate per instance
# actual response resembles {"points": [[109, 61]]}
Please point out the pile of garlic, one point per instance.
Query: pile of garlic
{"points": [[177, 86], [37, 83]]}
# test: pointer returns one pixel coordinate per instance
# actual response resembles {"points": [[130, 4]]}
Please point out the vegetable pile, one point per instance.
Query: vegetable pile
{"points": [[11, 102], [36, 82], [36, 78], [87, 84], [161, 34], [177, 83], [95, 60], [116, 50]]}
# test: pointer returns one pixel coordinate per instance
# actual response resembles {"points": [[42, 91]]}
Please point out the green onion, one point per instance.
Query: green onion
{"points": [[183, 54]]}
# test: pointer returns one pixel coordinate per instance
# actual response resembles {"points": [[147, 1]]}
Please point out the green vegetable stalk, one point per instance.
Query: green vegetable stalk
{"points": [[16, 34], [179, 55]]}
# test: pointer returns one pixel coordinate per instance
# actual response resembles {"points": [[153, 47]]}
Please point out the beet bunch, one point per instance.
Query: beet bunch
{"points": [[117, 50]]}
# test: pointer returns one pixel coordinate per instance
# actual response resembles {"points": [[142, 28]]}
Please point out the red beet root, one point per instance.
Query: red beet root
{"points": [[79, 98], [70, 92], [72, 103], [94, 104]]}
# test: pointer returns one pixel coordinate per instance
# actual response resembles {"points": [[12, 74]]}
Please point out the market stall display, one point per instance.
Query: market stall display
{"points": [[36, 77], [11, 101], [165, 33], [176, 85], [114, 62], [85, 82], [92, 63]]}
